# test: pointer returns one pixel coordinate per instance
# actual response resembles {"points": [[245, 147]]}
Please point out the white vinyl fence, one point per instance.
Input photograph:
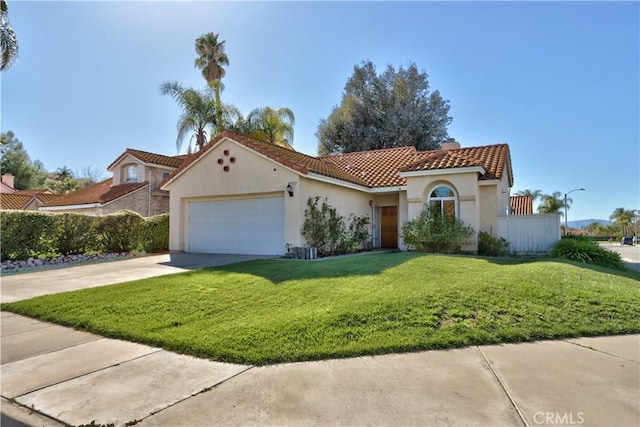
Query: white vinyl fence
{"points": [[530, 234]]}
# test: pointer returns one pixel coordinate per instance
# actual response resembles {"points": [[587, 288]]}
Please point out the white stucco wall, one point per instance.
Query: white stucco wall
{"points": [[346, 201], [467, 191], [250, 175]]}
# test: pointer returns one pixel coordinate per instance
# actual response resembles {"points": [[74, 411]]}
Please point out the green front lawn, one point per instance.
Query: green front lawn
{"points": [[280, 311]]}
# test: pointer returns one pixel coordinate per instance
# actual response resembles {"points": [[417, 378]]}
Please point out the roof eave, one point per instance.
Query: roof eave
{"points": [[65, 207], [335, 181], [445, 171]]}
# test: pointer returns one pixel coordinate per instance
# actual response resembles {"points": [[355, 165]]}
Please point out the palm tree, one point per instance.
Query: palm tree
{"points": [[270, 125], [201, 113], [553, 203], [8, 39], [623, 218], [535, 194], [211, 59], [64, 172]]}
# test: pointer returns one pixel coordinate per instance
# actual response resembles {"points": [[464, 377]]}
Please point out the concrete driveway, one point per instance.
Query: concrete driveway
{"points": [[16, 287]]}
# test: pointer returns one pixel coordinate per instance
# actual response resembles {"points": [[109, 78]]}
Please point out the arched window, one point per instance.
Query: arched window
{"points": [[443, 199]]}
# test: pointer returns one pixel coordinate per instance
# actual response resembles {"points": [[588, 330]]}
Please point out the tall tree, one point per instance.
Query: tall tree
{"points": [[392, 109], [211, 59], [270, 125], [200, 113], [553, 203], [16, 161], [535, 194], [8, 39], [623, 219]]}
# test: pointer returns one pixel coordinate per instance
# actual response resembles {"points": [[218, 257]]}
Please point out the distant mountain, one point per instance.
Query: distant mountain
{"points": [[582, 223]]}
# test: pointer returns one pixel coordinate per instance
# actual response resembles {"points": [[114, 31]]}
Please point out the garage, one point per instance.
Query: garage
{"points": [[239, 226]]}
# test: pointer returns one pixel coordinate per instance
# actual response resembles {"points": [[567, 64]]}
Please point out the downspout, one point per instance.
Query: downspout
{"points": [[149, 192], [373, 235]]}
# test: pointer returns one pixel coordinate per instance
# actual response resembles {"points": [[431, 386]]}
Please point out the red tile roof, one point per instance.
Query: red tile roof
{"points": [[36, 191], [14, 201], [521, 205], [153, 158], [102, 192], [44, 198], [289, 158], [376, 168], [492, 158]]}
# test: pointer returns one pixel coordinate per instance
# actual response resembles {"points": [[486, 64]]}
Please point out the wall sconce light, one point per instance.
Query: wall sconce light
{"points": [[370, 202], [290, 189]]}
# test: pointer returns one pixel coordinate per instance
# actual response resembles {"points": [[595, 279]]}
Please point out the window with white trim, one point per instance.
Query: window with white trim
{"points": [[132, 173], [443, 199]]}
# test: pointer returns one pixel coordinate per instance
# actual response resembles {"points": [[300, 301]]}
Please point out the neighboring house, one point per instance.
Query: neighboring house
{"points": [[6, 186], [521, 205], [241, 195], [29, 200], [134, 185]]}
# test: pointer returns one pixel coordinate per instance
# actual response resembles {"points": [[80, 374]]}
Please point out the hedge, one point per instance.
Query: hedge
{"points": [[25, 234]]}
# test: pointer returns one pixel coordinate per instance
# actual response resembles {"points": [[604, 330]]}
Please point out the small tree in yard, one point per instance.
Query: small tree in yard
{"points": [[324, 228], [432, 231]]}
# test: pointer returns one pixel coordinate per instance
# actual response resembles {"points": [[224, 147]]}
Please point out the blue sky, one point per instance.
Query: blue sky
{"points": [[557, 81]]}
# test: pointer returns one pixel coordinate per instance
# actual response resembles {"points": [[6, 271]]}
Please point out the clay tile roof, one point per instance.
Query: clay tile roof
{"points": [[378, 168], [289, 158], [38, 191], [47, 197], [102, 192], [14, 201], [521, 205], [492, 158], [147, 157]]}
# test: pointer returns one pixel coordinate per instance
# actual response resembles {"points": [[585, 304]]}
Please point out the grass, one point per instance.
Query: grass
{"points": [[271, 311]]}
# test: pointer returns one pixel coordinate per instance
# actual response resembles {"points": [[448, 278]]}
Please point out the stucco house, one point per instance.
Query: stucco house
{"points": [[240, 195], [28, 200], [134, 185]]}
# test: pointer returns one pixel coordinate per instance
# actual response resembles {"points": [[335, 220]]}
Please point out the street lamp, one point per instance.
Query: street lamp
{"points": [[565, 208]]}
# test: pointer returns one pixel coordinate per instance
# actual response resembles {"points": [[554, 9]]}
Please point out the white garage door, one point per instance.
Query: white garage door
{"points": [[243, 226]]}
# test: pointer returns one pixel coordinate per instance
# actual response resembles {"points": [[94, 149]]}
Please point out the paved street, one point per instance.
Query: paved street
{"points": [[630, 254]]}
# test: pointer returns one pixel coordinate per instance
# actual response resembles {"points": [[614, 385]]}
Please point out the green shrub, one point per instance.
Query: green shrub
{"points": [[120, 231], [491, 246], [23, 234], [357, 234], [73, 233], [431, 231], [156, 233], [584, 249], [325, 229]]}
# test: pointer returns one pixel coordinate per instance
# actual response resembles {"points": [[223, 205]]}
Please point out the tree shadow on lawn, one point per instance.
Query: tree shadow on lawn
{"points": [[282, 270], [629, 273]]}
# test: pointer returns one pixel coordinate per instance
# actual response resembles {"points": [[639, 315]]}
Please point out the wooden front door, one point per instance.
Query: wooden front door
{"points": [[389, 226]]}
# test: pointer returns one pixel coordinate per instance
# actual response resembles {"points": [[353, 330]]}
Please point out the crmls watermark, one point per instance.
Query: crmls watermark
{"points": [[559, 418]]}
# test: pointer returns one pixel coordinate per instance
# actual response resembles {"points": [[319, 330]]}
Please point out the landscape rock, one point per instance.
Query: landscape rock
{"points": [[17, 265]]}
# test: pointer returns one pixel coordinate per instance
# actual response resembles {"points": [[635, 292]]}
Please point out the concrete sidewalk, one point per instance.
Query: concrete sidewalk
{"points": [[73, 377], [16, 287]]}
